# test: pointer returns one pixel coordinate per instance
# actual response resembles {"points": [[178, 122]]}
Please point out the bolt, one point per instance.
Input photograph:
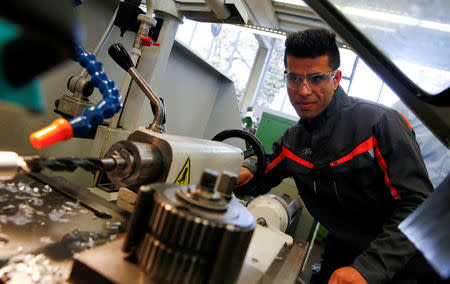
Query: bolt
{"points": [[208, 180], [227, 184], [261, 221]]}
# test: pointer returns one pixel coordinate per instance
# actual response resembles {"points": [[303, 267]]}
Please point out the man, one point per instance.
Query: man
{"points": [[355, 163], [249, 120]]}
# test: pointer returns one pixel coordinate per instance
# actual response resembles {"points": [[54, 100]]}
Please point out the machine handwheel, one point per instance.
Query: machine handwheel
{"points": [[254, 147]]}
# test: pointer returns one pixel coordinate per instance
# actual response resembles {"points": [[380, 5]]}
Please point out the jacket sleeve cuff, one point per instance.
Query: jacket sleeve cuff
{"points": [[369, 272]]}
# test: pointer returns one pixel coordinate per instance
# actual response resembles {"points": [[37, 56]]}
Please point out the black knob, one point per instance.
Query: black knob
{"points": [[120, 56]]}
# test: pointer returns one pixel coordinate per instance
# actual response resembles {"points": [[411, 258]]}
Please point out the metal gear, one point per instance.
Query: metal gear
{"points": [[182, 230], [168, 265], [177, 241]]}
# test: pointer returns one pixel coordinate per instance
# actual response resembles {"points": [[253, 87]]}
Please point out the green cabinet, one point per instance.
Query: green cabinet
{"points": [[270, 128]]}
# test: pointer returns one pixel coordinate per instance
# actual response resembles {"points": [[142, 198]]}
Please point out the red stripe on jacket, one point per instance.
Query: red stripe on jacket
{"points": [[407, 121], [362, 148], [383, 165], [288, 154], [370, 144]]}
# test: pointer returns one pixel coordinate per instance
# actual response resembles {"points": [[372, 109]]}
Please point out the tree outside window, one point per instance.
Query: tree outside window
{"points": [[272, 91], [226, 47]]}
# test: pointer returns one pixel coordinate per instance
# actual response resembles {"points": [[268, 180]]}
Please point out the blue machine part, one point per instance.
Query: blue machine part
{"points": [[107, 107]]}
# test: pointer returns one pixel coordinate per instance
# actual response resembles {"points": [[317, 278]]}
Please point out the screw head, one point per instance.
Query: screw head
{"points": [[227, 184], [208, 180]]}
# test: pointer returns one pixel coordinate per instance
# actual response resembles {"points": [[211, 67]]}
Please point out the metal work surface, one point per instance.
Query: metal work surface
{"points": [[286, 267], [108, 264], [41, 224]]}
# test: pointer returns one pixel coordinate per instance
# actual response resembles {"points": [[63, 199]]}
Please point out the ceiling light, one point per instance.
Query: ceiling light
{"points": [[265, 31]]}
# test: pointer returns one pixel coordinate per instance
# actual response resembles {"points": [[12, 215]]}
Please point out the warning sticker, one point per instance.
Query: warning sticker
{"points": [[185, 174]]}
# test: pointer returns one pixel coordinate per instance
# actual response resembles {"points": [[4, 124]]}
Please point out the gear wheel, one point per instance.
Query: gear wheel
{"points": [[168, 265], [181, 230], [176, 241]]}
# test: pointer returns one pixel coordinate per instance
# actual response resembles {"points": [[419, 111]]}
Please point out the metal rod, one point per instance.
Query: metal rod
{"points": [[113, 163], [311, 244], [136, 52], [156, 125]]}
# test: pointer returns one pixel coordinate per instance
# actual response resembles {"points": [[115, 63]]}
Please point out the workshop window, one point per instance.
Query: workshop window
{"points": [[272, 92], [228, 48]]}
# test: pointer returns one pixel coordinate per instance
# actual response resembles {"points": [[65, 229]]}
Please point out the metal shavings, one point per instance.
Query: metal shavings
{"points": [[34, 268]]}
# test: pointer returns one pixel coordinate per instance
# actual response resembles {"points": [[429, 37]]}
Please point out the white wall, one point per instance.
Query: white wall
{"points": [[200, 100]]}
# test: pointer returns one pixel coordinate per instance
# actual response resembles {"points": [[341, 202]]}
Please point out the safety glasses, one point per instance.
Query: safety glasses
{"points": [[316, 80]]}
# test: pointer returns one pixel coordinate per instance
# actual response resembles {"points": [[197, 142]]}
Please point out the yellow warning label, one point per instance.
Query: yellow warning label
{"points": [[185, 174]]}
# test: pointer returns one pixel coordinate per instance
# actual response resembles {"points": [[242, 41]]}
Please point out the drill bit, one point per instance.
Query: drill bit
{"points": [[36, 164]]}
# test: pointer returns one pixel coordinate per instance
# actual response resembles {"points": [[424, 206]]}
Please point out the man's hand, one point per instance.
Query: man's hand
{"points": [[244, 177], [346, 275]]}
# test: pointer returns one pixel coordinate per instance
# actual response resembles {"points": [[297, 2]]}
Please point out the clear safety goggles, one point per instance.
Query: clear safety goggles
{"points": [[316, 80]]}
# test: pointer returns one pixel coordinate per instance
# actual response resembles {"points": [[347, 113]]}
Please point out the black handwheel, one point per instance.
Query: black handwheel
{"points": [[254, 147]]}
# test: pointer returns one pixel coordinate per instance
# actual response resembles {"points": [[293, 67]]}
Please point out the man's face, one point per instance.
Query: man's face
{"points": [[308, 97]]}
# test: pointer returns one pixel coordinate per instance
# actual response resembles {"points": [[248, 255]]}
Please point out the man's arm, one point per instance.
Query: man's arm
{"points": [[406, 178], [274, 174]]}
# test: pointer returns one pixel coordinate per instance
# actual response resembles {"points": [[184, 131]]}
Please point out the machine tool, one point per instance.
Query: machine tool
{"points": [[179, 231], [186, 225], [192, 231], [148, 155], [274, 212]]}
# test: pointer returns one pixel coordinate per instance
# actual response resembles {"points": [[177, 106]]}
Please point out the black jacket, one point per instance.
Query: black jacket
{"points": [[359, 171]]}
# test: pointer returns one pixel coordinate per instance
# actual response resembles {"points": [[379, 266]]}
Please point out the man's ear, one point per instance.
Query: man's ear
{"points": [[337, 79]]}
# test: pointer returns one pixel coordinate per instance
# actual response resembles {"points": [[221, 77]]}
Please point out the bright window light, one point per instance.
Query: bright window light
{"points": [[396, 19], [292, 2]]}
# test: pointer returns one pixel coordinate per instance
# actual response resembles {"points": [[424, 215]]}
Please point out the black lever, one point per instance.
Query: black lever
{"points": [[120, 56]]}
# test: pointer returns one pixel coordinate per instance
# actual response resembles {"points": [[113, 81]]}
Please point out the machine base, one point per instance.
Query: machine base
{"points": [[108, 264]]}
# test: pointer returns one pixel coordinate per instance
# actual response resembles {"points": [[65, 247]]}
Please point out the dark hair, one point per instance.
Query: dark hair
{"points": [[313, 43], [250, 108]]}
